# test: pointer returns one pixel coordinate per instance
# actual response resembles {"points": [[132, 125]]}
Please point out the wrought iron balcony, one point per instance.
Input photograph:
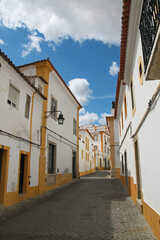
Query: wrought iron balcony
{"points": [[149, 23]]}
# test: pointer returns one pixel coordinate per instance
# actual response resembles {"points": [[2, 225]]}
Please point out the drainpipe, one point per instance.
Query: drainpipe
{"points": [[31, 118]]}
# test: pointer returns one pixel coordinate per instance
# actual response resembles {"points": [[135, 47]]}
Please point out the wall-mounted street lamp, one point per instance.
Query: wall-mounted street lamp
{"points": [[60, 118]]}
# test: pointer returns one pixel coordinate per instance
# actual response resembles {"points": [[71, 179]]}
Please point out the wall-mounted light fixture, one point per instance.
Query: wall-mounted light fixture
{"points": [[60, 118]]}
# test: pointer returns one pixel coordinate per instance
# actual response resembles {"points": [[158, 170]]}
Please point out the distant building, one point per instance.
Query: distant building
{"points": [[86, 152], [101, 145], [112, 125]]}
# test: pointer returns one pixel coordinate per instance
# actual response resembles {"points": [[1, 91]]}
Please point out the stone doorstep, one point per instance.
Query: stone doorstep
{"points": [[140, 205]]}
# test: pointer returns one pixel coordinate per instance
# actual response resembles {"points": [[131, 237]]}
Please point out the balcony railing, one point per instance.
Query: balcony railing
{"points": [[149, 23]]}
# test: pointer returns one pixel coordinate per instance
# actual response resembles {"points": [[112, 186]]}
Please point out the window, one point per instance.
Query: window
{"points": [[122, 165], [119, 128], [125, 107], [132, 97], [88, 144], [140, 70], [74, 127], [122, 118], [27, 108], [13, 96], [52, 159], [95, 137], [53, 107], [40, 88], [82, 153]]}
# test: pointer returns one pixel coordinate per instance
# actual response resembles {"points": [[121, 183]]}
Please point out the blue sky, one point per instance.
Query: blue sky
{"points": [[80, 38]]}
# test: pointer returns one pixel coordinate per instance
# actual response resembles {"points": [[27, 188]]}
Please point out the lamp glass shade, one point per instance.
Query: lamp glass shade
{"points": [[60, 119]]}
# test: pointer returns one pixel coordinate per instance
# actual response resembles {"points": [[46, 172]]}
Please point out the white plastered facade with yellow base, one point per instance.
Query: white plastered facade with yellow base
{"points": [[15, 129], [146, 135]]}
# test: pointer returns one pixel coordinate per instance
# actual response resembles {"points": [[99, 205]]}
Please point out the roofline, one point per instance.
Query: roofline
{"points": [[4, 56], [88, 132], [124, 35], [47, 60]]}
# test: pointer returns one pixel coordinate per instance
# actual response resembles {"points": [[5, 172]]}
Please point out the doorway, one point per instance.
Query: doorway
{"points": [[74, 168], [1, 184], [1, 156], [138, 173], [23, 173], [126, 170], [4, 160]]}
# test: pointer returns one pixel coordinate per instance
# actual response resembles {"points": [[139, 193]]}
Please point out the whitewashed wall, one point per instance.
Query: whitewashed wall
{"points": [[81, 161], [148, 136], [67, 104], [12, 120]]}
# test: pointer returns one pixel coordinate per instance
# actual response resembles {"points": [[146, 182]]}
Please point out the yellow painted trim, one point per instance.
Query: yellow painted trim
{"points": [[86, 172], [43, 69], [122, 118], [125, 106], [140, 76], [120, 128], [151, 216], [26, 172], [13, 197], [153, 219], [78, 108], [4, 173], [101, 168], [31, 120], [102, 142], [133, 109]]}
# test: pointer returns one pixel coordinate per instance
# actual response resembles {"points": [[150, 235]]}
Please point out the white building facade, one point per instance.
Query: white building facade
{"points": [[101, 145], [59, 162], [86, 152], [137, 107], [20, 127]]}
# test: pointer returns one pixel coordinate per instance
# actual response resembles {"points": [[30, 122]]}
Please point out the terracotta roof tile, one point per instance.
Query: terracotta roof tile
{"points": [[124, 34]]}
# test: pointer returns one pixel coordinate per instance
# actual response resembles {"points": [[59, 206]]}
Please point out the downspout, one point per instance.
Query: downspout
{"points": [[31, 118]]}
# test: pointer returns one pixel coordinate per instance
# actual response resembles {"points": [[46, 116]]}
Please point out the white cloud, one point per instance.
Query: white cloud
{"points": [[34, 43], [88, 118], [82, 111], [114, 69], [102, 120], [80, 88], [58, 20], [2, 42], [105, 97]]}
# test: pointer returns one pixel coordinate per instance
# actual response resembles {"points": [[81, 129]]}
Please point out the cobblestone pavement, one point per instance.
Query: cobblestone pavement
{"points": [[86, 209]]}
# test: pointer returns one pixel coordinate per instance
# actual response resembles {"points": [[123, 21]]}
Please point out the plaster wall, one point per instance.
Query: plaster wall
{"points": [[13, 121], [68, 106]]}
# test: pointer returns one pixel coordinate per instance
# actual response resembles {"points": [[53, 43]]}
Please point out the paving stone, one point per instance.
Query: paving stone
{"points": [[87, 209]]}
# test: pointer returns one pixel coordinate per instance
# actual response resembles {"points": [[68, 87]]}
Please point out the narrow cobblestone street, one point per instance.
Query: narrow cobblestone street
{"points": [[87, 209]]}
